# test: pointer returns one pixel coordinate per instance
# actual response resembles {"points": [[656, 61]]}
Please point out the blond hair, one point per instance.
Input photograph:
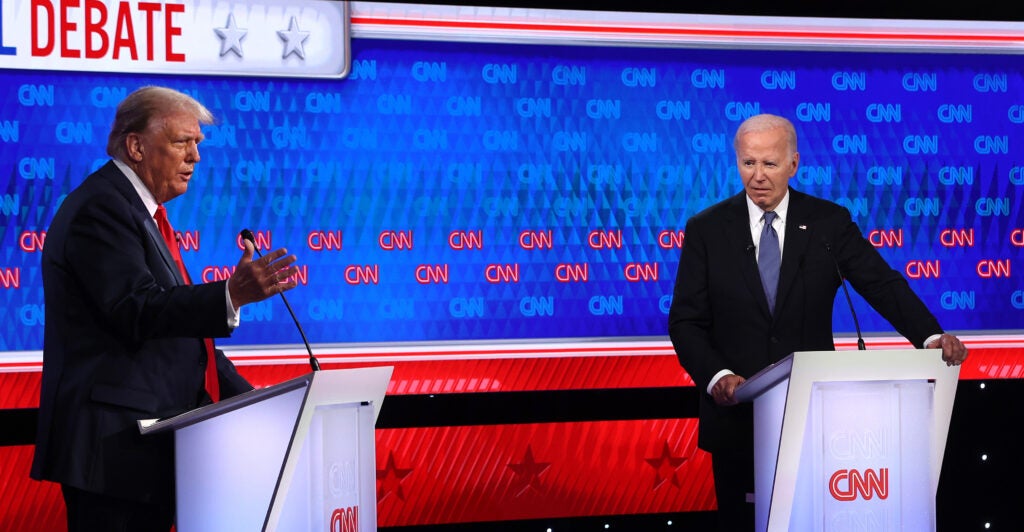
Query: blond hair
{"points": [[144, 106]]}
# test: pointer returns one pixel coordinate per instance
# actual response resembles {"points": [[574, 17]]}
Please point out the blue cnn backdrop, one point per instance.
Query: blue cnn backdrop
{"points": [[447, 191]]}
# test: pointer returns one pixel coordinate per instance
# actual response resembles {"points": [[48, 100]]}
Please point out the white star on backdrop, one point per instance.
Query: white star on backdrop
{"points": [[293, 39], [231, 37]]}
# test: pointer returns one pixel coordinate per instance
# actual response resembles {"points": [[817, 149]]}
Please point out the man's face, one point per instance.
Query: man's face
{"points": [[765, 165], [166, 153]]}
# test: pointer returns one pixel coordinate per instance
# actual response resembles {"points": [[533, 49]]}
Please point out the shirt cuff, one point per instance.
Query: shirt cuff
{"points": [[718, 376], [931, 339], [232, 312]]}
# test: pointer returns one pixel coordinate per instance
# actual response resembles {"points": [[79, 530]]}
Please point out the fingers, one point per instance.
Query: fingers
{"points": [[247, 250], [273, 255], [278, 274], [274, 262], [954, 352], [281, 273], [724, 391], [719, 395], [285, 278], [256, 280]]}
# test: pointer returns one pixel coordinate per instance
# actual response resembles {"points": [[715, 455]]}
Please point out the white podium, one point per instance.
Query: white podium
{"points": [[298, 455], [850, 440]]}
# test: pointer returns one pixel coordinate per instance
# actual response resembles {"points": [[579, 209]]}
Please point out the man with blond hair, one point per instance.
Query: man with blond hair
{"points": [[127, 333]]}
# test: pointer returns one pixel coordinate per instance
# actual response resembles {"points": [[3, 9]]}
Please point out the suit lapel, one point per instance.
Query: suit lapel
{"points": [[158, 241], [139, 212], [798, 234]]}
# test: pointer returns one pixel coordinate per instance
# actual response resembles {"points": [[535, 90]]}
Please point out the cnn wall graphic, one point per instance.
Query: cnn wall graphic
{"points": [[436, 191]]}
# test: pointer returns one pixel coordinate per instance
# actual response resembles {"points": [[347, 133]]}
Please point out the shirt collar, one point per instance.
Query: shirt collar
{"points": [[144, 194], [755, 213]]}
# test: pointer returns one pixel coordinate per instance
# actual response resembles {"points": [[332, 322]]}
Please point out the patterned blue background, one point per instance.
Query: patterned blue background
{"points": [[427, 138]]}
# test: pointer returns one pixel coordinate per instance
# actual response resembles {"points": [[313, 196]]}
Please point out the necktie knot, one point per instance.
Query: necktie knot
{"points": [[164, 225], [769, 217]]}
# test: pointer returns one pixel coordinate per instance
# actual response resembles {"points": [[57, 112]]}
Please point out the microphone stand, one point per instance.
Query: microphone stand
{"points": [[313, 362]]}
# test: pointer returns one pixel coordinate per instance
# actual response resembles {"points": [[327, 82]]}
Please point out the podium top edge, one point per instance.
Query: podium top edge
{"points": [[832, 365], [764, 379], [230, 404]]}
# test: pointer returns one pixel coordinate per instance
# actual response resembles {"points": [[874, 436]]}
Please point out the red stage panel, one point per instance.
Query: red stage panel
{"points": [[992, 363], [535, 471], [503, 374], [25, 504], [494, 472], [581, 373], [20, 389]]}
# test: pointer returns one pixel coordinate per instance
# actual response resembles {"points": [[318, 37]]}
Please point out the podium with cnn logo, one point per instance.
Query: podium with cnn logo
{"points": [[298, 455], [850, 440]]}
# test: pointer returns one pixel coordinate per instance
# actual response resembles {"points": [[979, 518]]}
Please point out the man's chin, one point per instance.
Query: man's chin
{"points": [[761, 201], [178, 190]]}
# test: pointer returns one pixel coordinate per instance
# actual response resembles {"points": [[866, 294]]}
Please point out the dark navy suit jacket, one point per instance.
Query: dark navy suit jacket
{"points": [[719, 318], [123, 342]]}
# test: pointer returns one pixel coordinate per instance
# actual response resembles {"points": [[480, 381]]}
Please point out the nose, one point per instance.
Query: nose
{"points": [[192, 155], [759, 172]]}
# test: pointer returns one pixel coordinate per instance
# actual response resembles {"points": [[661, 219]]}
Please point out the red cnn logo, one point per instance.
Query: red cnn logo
{"points": [[345, 519], [846, 484]]}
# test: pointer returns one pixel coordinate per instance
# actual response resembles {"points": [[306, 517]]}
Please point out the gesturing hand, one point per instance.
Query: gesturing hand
{"points": [[256, 280]]}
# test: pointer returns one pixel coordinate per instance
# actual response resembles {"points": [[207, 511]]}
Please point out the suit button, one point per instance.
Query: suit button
{"points": [[775, 340]]}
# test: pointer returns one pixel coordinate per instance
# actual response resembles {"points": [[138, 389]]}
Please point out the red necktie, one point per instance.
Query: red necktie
{"points": [[166, 231]]}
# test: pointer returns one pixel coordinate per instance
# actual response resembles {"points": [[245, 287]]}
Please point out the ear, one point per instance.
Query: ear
{"points": [[133, 147]]}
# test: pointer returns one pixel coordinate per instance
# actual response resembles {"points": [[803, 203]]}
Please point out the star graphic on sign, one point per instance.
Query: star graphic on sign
{"points": [[389, 479], [231, 37], [293, 39], [665, 467], [528, 472]]}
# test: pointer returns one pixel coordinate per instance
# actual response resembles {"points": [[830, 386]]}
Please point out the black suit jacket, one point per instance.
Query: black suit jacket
{"points": [[122, 342], [719, 318]]}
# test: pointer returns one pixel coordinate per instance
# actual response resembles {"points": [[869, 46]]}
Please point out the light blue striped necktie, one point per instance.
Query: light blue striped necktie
{"points": [[769, 259]]}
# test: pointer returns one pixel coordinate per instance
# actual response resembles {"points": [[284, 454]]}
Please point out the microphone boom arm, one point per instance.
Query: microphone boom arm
{"points": [[849, 301], [313, 362]]}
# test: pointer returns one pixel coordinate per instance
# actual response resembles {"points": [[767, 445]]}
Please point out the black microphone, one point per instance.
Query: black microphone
{"points": [[313, 362], [842, 281]]}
